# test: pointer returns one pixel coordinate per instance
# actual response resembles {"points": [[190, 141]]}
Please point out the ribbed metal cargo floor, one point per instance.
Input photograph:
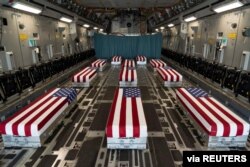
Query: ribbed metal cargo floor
{"points": [[81, 140]]}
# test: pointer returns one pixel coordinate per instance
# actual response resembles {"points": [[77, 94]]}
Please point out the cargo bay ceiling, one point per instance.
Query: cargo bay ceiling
{"points": [[104, 11], [128, 3], [101, 13]]}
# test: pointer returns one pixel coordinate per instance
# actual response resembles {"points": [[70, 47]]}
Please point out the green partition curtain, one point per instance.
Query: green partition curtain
{"points": [[106, 46]]}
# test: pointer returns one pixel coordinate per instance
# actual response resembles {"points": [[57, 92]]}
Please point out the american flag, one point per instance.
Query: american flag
{"points": [[126, 117], [35, 118], [85, 75], [157, 63], [141, 58], [169, 74], [197, 92], [215, 118], [70, 93], [128, 74], [167, 68], [129, 63], [98, 63], [131, 92], [116, 58]]}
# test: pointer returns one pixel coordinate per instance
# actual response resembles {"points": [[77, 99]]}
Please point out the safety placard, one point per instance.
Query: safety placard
{"points": [[232, 35], [23, 37]]}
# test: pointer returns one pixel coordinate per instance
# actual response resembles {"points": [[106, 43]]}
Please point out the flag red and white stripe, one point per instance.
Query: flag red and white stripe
{"points": [[169, 74], [128, 74], [98, 63], [85, 75], [129, 63], [215, 118], [157, 63], [141, 58], [36, 117], [116, 58], [126, 118]]}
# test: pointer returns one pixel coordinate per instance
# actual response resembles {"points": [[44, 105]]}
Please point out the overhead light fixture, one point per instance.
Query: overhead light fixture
{"points": [[101, 29], [26, 7], [228, 6], [95, 28], [191, 18], [162, 28], [86, 25], [156, 29], [171, 25], [66, 19]]}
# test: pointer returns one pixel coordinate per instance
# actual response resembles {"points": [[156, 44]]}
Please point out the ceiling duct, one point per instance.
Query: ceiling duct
{"points": [[72, 6], [197, 7], [182, 6]]}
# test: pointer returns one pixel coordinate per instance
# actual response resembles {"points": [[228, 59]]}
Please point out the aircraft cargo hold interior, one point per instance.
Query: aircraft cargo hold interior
{"points": [[111, 83]]}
